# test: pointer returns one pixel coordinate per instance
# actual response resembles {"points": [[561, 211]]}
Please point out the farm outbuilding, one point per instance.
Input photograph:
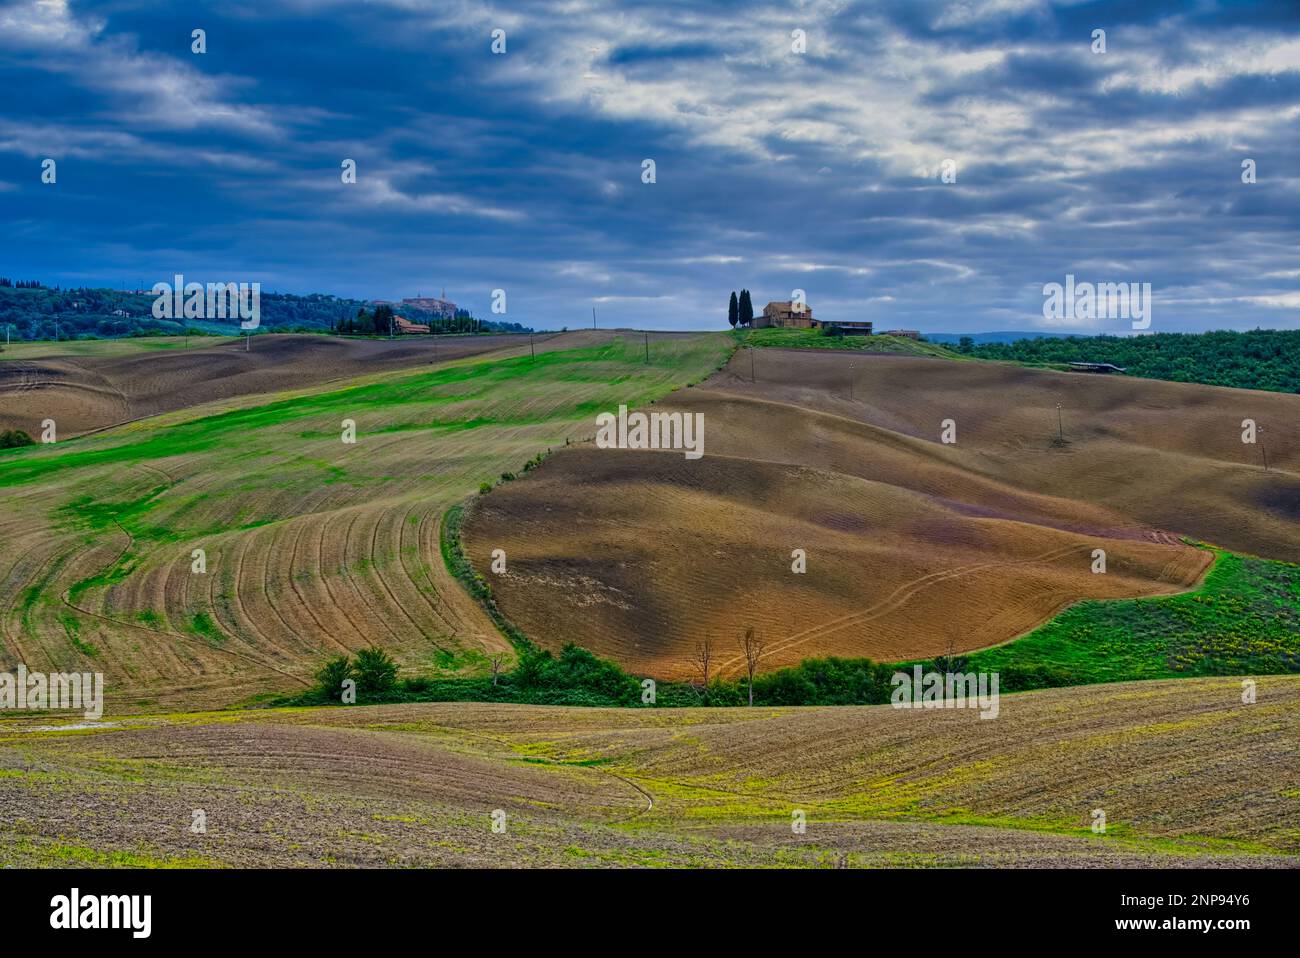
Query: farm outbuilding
{"points": [[1097, 367], [404, 325], [786, 313]]}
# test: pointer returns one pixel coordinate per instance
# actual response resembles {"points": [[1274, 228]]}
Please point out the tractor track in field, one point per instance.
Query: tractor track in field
{"points": [[895, 601], [506, 744]]}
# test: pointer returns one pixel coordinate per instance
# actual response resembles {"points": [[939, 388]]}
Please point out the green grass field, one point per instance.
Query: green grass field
{"points": [[813, 339], [559, 386], [1243, 620]]}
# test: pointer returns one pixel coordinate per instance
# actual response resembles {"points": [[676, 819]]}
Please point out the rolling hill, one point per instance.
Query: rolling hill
{"points": [[312, 545], [914, 547], [1185, 774]]}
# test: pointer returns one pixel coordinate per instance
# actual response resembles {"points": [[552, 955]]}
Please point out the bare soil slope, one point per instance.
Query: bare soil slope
{"points": [[1168, 454], [913, 546]]}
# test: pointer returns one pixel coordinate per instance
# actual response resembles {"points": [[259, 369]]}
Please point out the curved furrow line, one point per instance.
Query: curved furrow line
{"points": [[419, 558], [353, 582], [383, 580], [246, 542], [302, 600], [265, 562], [430, 541], [357, 631], [189, 639]]}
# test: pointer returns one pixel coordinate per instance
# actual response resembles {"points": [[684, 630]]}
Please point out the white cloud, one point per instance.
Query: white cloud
{"points": [[150, 90], [1274, 300]]}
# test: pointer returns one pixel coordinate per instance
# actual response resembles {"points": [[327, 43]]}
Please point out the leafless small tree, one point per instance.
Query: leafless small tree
{"points": [[497, 660], [703, 660], [752, 647]]}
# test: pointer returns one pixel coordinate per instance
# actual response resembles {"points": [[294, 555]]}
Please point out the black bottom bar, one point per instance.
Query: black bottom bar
{"points": [[333, 908]]}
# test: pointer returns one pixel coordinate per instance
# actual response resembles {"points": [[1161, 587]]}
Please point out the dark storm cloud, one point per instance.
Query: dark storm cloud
{"points": [[775, 170]]}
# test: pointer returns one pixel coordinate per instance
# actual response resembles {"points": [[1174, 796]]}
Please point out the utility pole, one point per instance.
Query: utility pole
{"points": [[531, 350]]}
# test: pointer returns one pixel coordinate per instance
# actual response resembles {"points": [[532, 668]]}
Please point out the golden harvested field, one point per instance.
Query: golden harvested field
{"points": [[1185, 774], [85, 386], [313, 546], [913, 546]]}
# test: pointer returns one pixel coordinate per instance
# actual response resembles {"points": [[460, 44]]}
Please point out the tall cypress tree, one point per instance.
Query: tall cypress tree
{"points": [[733, 310], [746, 309]]}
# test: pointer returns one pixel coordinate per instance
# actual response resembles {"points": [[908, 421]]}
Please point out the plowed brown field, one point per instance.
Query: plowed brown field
{"points": [[84, 390], [913, 546], [1185, 774]]}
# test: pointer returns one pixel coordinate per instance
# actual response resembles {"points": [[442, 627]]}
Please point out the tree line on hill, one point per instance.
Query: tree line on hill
{"points": [[30, 310], [1259, 359], [383, 322], [740, 311]]}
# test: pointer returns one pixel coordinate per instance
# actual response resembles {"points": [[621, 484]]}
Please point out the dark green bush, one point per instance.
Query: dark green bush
{"points": [[332, 675], [13, 438], [376, 675]]}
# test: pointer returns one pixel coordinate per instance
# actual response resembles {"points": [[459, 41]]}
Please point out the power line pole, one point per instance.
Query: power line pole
{"points": [[532, 350]]}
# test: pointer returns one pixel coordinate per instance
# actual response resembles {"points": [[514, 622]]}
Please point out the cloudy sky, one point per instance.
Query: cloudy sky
{"points": [[775, 168]]}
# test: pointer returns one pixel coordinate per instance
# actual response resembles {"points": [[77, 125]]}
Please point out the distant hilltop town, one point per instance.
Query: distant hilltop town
{"points": [[437, 312], [442, 307], [432, 304]]}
